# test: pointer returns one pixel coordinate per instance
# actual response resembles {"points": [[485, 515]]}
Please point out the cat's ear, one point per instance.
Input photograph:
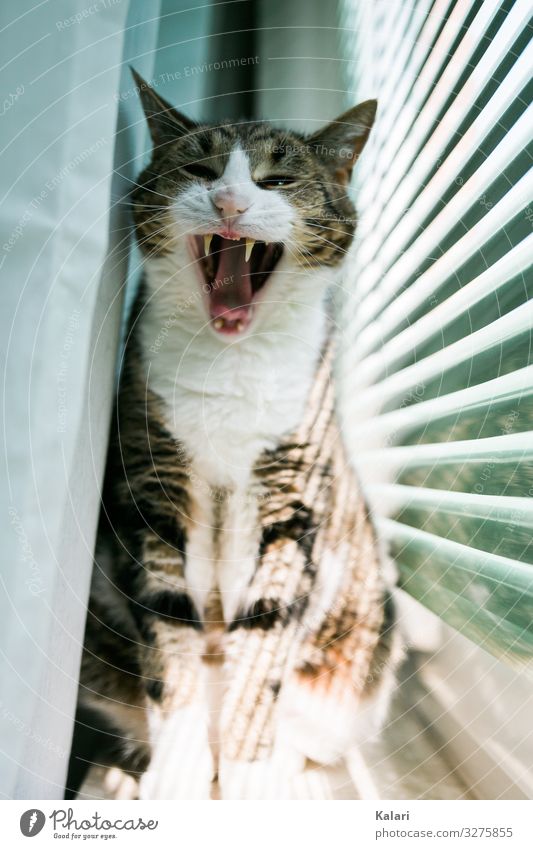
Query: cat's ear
{"points": [[340, 143], [165, 123]]}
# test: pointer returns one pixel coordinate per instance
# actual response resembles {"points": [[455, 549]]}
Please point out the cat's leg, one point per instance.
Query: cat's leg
{"points": [[171, 653], [339, 693], [261, 649]]}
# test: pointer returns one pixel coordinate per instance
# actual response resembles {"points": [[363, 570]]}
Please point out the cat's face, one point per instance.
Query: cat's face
{"points": [[247, 201]]}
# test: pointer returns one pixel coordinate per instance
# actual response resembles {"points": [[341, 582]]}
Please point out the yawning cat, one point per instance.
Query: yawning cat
{"points": [[235, 525]]}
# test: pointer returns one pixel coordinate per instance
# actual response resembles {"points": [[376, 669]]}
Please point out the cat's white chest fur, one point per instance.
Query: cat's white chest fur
{"points": [[228, 410]]}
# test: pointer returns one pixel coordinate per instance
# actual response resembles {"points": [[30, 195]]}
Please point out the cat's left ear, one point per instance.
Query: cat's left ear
{"points": [[165, 123], [340, 143]]}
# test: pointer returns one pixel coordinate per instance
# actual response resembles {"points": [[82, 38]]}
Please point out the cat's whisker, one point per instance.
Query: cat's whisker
{"points": [[298, 254], [326, 241]]}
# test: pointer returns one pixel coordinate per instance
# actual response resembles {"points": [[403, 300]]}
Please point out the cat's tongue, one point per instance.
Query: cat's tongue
{"points": [[231, 292]]}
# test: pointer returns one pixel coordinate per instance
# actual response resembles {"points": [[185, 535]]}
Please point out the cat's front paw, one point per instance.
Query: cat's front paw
{"points": [[319, 724], [272, 778], [182, 762]]}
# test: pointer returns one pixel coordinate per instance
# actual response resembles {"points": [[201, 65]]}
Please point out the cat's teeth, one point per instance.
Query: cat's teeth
{"points": [[249, 248], [207, 242], [218, 323], [239, 324]]}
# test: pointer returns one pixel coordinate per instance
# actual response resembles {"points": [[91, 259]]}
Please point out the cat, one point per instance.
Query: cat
{"points": [[234, 525]]}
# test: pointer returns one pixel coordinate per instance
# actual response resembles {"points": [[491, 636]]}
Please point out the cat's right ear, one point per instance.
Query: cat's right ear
{"points": [[165, 123]]}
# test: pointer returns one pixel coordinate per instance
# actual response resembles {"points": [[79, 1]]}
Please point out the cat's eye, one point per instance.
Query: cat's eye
{"points": [[274, 181], [202, 171]]}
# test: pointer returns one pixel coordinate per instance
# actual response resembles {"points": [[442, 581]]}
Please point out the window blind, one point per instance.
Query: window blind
{"points": [[437, 365]]}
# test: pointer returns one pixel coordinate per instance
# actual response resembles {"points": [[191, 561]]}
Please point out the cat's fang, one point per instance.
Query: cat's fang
{"points": [[218, 323], [207, 242], [249, 248]]}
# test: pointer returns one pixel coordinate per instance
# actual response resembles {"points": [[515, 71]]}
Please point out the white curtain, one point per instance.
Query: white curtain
{"points": [[72, 135]]}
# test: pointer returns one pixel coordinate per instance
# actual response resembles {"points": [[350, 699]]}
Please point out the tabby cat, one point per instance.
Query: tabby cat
{"points": [[235, 529]]}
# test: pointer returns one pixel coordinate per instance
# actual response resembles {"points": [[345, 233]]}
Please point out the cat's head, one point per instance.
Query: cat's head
{"points": [[256, 212]]}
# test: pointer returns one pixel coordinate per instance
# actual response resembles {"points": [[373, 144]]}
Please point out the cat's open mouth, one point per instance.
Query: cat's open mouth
{"points": [[234, 271]]}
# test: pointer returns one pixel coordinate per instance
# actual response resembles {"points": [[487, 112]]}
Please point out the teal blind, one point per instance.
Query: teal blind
{"points": [[438, 359]]}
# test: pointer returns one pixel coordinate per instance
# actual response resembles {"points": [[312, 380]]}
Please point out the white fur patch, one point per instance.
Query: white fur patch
{"points": [[182, 763], [268, 217], [267, 779], [323, 725], [238, 551]]}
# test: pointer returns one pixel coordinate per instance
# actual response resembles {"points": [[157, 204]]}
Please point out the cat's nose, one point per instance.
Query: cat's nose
{"points": [[230, 203]]}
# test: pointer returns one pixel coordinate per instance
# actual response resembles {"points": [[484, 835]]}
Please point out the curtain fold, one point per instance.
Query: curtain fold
{"points": [[233, 60], [69, 155]]}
